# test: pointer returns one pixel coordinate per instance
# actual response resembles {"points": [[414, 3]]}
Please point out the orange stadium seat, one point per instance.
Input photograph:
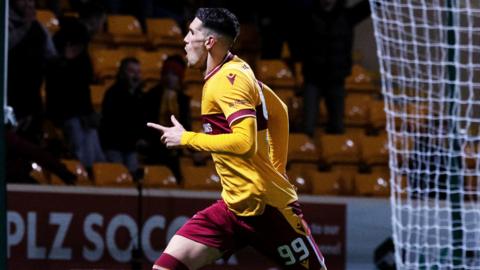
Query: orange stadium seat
{"points": [[377, 117], [301, 175], [193, 76], [106, 62], [360, 79], [159, 176], [275, 73], [78, 169], [164, 32], [151, 63], [327, 183], [374, 150], [125, 30], [301, 148], [48, 19], [372, 184], [347, 174], [339, 149], [194, 91], [40, 175], [97, 92], [286, 95], [471, 187], [111, 174], [356, 109], [200, 177]]}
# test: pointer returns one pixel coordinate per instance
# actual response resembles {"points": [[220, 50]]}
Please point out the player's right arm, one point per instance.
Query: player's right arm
{"points": [[240, 142]]}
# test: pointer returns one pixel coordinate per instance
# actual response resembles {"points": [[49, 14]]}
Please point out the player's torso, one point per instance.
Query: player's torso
{"points": [[248, 183]]}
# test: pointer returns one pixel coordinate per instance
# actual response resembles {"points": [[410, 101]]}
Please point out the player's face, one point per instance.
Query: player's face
{"points": [[196, 45]]}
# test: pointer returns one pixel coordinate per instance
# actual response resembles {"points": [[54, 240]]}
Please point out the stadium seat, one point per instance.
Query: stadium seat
{"points": [[275, 73], [372, 184], [374, 150], [193, 76], [347, 174], [356, 109], [75, 167], [48, 19], [301, 148], [97, 92], [40, 175], [286, 95], [301, 175], [111, 174], [298, 70], [471, 188], [197, 126], [106, 62], [411, 116], [471, 150], [151, 63], [194, 91], [159, 177], [360, 80], [200, 177], [377, 119], [164, 32], [327, 183], [339, 149], [125, 30]]}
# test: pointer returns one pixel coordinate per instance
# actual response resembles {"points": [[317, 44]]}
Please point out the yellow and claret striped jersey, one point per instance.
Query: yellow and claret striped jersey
{"points": [[234, 111]]}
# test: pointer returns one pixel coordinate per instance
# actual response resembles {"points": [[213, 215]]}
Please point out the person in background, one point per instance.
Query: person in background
{"points": [[29, 48], [328, 60], [163, 100], [21, 153], [122, 117], [68, 99]]}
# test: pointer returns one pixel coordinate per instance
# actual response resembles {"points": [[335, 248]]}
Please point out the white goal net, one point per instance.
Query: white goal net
{"points": [[429, 54]]}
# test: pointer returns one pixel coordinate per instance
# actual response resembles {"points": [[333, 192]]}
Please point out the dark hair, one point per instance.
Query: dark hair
{"points": [[123, 65], [220, 20], [176, 64]]}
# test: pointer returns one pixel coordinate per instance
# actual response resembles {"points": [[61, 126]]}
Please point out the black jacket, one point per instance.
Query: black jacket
{"points": [[328, 55], [122, 118]]}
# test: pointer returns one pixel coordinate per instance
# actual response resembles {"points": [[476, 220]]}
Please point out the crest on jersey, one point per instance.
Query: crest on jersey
{"points": [[207, 128], [231, 77]]}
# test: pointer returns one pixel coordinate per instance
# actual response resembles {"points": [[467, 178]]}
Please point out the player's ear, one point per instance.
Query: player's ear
{"points": [[209, 42]]}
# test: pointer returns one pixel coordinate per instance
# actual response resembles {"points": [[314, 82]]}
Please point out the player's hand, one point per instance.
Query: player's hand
{"points": [[171, 135]]}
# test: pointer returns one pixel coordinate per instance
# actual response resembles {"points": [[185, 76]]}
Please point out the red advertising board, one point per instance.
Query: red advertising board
{"points": [[95, 229]]}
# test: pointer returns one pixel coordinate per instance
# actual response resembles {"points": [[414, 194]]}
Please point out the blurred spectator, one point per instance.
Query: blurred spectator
{"points": [[29, 48], [92, 16], [122, 116], [20, 155], [328, 60], [162, 101], [68, 100], [275, 29]]}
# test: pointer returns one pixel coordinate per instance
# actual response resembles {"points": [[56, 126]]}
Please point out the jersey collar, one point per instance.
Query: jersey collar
{"points": [[227, 58]]}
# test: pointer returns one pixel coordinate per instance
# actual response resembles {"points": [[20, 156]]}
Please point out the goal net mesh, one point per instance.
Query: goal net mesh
{"points": [[429, 55]]}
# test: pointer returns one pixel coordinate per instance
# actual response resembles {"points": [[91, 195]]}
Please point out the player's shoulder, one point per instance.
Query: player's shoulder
{"points": [[236, 69]]}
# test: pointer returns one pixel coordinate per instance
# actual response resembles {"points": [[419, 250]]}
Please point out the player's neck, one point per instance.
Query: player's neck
{"points": [[214, 59]]}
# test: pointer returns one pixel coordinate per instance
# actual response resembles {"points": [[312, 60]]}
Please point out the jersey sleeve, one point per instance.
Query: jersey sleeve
{"points": [[236, 95], [278, 129]]}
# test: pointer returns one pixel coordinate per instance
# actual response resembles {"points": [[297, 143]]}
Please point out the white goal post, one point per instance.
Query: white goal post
{"points": [[429, 54]]}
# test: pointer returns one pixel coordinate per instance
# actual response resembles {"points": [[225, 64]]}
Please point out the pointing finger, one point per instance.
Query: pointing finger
{"points": [[156, 126], [175, 121]]}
